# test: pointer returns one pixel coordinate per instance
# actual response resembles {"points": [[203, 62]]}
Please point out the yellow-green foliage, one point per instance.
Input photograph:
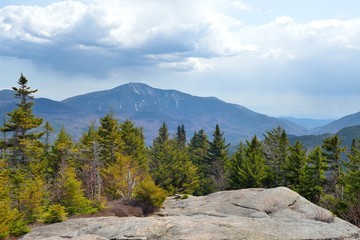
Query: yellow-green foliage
{"points": [[7, 215], [121, 177], [147, 192], [73, 197], [55, 213]]}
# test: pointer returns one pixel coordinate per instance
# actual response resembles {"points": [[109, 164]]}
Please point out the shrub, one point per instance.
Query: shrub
{"points": [[55, 213], [150, 195], [323, 215]]}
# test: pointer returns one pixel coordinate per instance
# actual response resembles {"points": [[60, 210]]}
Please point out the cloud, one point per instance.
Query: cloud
{"points": [[190, 64], [106, 35], [98, 37]]}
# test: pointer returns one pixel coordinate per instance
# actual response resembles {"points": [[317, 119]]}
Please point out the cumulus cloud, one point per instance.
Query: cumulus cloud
{"points": [[109, 34], [98, 36]]}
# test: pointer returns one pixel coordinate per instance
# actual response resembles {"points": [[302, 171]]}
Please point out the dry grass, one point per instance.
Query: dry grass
{"points": [[323, 215]]}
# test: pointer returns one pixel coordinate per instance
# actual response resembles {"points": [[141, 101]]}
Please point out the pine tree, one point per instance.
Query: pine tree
{"points": [[233, 168], [351, 182], [218, 155], [61, 153], [276, 145], [332, 150], [181, 136], [7, 213], [133, 144], [110, 141], [198, 151], [159, 158], [295, 166], [48, 130], [312, 187], [22, 124], [183, 172], [89, 165], [253, 170], [71, 194]]}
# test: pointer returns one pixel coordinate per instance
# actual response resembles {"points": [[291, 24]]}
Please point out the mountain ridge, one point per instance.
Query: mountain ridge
{"points": [[149, 107]]}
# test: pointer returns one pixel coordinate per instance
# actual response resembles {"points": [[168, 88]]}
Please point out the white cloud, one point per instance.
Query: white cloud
{"points": [[189, 64]]}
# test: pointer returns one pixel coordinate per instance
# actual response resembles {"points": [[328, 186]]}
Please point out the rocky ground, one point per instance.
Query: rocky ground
{"points": [[277, 213]]}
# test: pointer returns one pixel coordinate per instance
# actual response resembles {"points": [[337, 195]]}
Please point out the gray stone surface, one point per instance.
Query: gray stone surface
{"points": [[277, 213]]}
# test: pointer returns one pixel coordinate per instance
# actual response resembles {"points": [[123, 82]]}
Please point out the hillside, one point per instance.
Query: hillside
{"points": [[346, 135], [333, 127]]}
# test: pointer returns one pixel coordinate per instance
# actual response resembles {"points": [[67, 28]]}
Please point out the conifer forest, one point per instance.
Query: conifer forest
{"points": [[48, 181]]}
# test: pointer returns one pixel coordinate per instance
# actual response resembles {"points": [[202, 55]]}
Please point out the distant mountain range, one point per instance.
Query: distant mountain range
{"points": [[149, 107]]}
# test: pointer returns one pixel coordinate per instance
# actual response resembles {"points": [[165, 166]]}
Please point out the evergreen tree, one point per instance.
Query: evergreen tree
{"points": [[170, 166], [313, 184], [233, 168], [351, 182], [295, 166], [253, 170], [159, 158], [48, 130], [89, 165], [181, 136], [22, 124], [70, 193], [332, 150], [198, 151], [276, 145], [61, 153], [218, 155], [133, 144], [183, 172], [8, 214], [110, 141]]}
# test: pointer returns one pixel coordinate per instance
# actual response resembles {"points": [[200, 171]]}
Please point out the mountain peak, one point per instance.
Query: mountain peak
{"points": [[137, 88]]}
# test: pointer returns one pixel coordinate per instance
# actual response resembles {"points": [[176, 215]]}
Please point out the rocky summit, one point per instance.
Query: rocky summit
{"points": [[277, 213]]}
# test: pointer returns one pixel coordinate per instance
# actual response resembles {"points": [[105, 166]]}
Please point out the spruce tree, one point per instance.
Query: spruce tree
{"points": [[218, 155], [312, 187], [89, 165], [332, 150], [62, 152], [159, 158], [109, 138], [133, 144], [253, 170], [233, 168], [181, 136], [198, 151], [276, 145], [295, 166], [22, 124], [350, 180]]}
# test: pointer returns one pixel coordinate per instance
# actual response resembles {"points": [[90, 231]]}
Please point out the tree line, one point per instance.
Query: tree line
{"points": [[48, 181]]}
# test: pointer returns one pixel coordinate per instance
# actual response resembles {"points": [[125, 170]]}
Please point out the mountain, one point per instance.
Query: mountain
{"points": [[308, 123], [6, 97], [346, 135], [333, 127], [149, 107]]}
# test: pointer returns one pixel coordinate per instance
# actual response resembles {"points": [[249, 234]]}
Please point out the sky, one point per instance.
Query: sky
{"points": [[276, 57]]}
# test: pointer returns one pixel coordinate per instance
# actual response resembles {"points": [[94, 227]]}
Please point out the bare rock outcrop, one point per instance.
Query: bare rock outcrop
{"points": [[277, 213]]}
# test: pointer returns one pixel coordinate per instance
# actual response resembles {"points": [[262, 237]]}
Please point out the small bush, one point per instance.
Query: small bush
{"points": [[19, 228], [55, 213], [323, 215], [149, 196]]}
